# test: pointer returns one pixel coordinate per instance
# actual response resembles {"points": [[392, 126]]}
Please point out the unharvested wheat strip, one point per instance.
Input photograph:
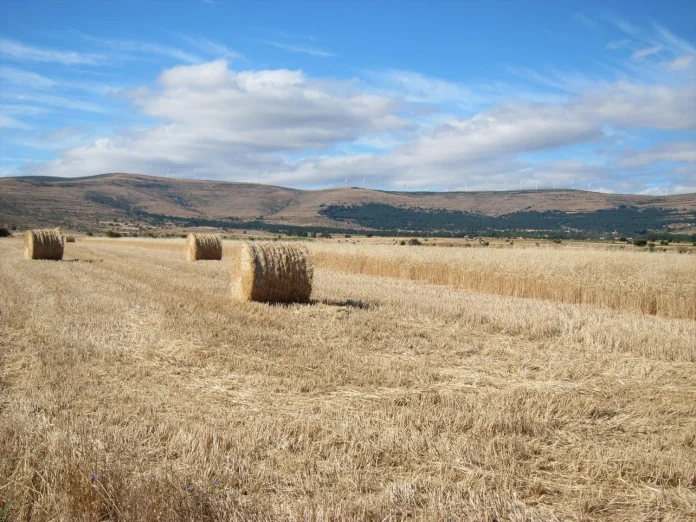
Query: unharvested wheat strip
{"points": [[201, 247], [271, 272], [43, 244]]}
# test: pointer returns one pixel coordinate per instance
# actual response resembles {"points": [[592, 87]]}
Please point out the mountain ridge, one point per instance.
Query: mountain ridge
{"points": [[87, 201]]}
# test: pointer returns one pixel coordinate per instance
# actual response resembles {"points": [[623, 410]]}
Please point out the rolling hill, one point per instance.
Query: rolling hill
{"points": [[90, 202]]}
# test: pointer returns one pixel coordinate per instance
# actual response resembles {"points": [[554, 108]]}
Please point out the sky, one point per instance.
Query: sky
{"points": [[408, 95]]}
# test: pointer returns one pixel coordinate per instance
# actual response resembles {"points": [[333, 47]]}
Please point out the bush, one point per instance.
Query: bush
{"points": [[664, 242], [150, 234], [90, 234], [622, 239], [558, 241], [4, 232], [640, 242], [111, 233], [402, 242], [485, 243], [651, 247], [369, 235], [414, 242], [682, 250], [348, 236]]}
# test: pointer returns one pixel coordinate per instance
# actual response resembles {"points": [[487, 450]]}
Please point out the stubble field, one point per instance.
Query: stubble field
{"points": [[421, 383]]}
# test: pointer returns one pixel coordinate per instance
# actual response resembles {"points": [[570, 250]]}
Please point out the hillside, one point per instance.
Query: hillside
{"points": [[86, 203]]}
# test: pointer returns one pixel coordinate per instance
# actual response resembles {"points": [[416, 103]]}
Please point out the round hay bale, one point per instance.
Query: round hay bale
{"points": [[272, 273], [43, 244], [68, 238], [203, 247]]}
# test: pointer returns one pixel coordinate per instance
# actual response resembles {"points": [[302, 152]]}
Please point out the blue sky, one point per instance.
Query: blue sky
{"points": [[306, 94]]}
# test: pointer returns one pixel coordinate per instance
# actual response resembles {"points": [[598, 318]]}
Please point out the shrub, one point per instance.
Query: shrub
{"points": [[90, 234], [558, 241], [664, 242], [622, 239], [4, 232], [640, 242], [414, 242], [369, 235], [485, 243], [651, 247], [348, 236], [111, 233], [402, 242], [682, 250]]}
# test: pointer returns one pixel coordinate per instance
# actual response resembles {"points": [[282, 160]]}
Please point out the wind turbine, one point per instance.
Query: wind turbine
{"points": [[346, 181], [167, 173], [448, 186], [382, 184], [404, 187], [589, 185], [520, 184], [505, 185], [365, 182], [572, 184], [537, 184], [554, 185], [427, 188], [195, 173]]}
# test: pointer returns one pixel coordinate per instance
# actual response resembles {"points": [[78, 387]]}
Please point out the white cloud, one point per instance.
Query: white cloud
{"points": [[215, 49], [635, 105], [272, 110], [14, 76], [649, 51], [305, 49], [675, 152], [682, 63], [283, 126], [7, 122], [59, 102], [21, 52], [137, 47], [617, 44]]}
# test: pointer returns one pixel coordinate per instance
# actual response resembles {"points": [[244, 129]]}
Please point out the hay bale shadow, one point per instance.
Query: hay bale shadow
{"points": [[345, 303]]}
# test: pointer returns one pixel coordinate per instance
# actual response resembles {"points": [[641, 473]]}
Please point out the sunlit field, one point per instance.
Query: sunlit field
{"points": [[421, 383]]}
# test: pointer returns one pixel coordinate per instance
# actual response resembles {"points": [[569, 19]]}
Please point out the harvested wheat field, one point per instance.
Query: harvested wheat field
{"points": [[134, 387]]}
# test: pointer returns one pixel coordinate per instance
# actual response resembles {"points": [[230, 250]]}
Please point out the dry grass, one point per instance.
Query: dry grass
{"points": [[43, 244], [203, 247], [133, 388], [272, 273], [661, 284]]}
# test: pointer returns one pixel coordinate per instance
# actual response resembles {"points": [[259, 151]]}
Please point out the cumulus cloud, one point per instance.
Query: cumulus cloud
{"points": [[675, 152], [283, 126]]}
